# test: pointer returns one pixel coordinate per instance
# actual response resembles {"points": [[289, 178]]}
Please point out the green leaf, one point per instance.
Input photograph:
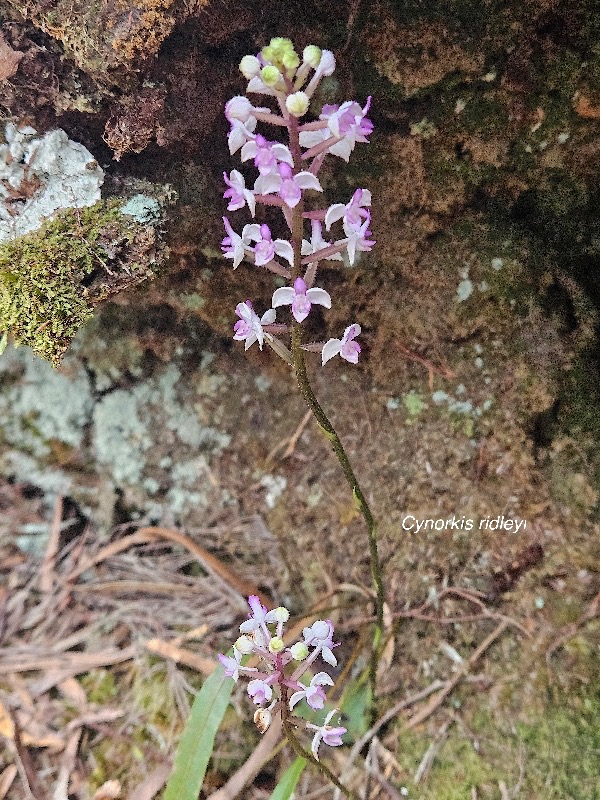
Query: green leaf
{"points": [[287, 784], [198, 737], [356, 702]]}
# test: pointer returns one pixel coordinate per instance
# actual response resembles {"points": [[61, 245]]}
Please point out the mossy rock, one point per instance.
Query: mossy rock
{"points": [[51, 280]]}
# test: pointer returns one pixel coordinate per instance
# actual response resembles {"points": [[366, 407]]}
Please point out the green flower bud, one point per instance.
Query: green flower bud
{"points": [[276, 645], [290, 62], [297, 104], [268, 53], [312, 55], [249, 66], [299, 651], [281, 45], [270, 75]]}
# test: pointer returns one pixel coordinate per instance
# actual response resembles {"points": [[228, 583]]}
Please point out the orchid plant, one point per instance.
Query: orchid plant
{"points": [[288, 174]]}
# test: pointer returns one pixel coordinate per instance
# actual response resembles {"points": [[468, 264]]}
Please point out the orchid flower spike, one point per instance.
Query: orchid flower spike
{"points": [[300, 298]]}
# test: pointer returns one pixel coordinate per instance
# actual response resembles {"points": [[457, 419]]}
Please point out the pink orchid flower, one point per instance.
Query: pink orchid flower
{"points": [[260, 691], [314, 694], [233, 245], [300, 298], [233, 666], [266, 154], [358, 238], [237, 193], [346, 347], [287, 185], [320, 636], [353, 213], [347, 123], [326, 733], [266, 248], [249, 329]]}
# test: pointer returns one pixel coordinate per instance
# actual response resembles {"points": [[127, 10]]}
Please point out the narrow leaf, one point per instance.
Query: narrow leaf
{"points": [[287, 784], [198, 737]]}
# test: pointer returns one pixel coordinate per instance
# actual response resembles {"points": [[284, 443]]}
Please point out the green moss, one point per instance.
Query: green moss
{"points": [[52, 279], [100, 686], [557, 753], [414, 405]]}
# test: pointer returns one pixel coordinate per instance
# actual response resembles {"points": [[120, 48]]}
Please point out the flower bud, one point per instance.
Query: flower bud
{"points": [[249, 66], [297, 104], [276, 645], [290, 62], [244, 645], [312, 55], [270, 75], [262, 719], [280, 45], [299, 651], [327, 62], [239, 108], [280, 614]]}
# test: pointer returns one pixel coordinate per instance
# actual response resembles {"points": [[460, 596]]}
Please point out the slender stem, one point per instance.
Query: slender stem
{"points": [[300, 751], [328, 429], [288, 729]]}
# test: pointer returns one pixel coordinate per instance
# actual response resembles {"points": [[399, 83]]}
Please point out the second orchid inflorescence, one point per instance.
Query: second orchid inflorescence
{"points": [[285, 173], [277, 684]]}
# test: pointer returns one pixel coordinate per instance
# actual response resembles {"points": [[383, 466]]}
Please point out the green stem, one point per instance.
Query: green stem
{"points": [[328, 429], [288, 729]]}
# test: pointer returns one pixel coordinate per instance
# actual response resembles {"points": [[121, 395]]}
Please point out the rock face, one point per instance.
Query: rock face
{"points": [[479, 303]]}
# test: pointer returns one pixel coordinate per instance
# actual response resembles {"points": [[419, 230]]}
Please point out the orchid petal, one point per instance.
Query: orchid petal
{"points": [[282, 153], [319, 296], [268, 318], [330, 349], [296, 698], [249, 150], [334, 212], [351, 332], [306, 180], [267, 184], [283, 297], [251, 232], [284, 249], [321, 679]]}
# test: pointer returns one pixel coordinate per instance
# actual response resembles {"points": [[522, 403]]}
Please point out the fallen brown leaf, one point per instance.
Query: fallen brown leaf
{"points": [[180, 654]]}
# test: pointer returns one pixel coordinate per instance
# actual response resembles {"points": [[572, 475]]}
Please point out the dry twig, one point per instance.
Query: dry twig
{"points": [[47, 570], [428, 709]]}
